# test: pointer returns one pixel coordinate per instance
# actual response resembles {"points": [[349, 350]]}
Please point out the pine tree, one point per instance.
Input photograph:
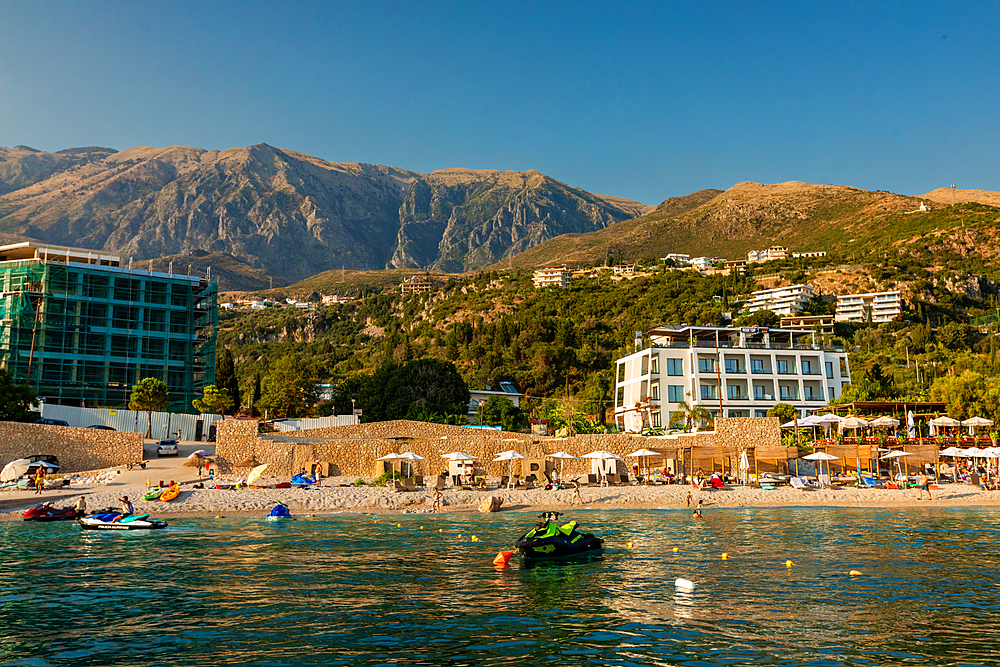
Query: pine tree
{"points": [[225, 378]]}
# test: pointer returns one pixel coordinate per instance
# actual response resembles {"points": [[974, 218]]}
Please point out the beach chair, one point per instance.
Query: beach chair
{"points": [[399, 487], [410, 484], [824, 481], [441, 481], [869, 483], [418, 480], [591, 481], [767, 486], [800, 483], [623, 480], [529, 482], [504, 481]]}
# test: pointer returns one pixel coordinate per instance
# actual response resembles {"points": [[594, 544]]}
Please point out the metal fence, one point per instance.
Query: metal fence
{"points": [[315, 422], [165, 424]]}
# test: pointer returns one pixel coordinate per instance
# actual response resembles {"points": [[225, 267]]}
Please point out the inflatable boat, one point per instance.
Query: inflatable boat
{"points": [[550, 540], [280, 513], [131, 522]]}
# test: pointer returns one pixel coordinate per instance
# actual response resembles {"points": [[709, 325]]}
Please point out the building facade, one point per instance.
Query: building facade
{"points": [[80, 329], [416, 285], [552, 276], [781, 300], [873, 307], [731, 372]]}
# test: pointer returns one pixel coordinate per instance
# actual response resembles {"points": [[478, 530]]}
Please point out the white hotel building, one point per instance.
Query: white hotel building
{"points": [[732, 372], [873, 307]]}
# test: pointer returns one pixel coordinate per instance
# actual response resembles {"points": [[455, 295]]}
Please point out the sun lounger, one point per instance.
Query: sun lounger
{"points": [[592, 481], [410, 484], [504, 481], [824, 481], [418, 480], [441, 481], [623, 480], [767, 486], [399, 487], [869, 483], [800, 483]]}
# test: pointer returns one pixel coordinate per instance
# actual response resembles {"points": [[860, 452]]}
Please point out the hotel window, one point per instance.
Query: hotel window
{"points": [[829, 370], [757, 366], [654, 391], [734, 366], [783, 367], [656, 419], [675, 367], [675, 393], [645, 366], [735, 393], [621, 372], [654, 364], [806, 367], [620, 399], [830, 391], [706, 365], [708, 392]]}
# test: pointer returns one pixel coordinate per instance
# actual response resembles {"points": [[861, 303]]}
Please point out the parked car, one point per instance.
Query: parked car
{"points": [[47, 458], [52, 422], [101, 427], [166, 447]]}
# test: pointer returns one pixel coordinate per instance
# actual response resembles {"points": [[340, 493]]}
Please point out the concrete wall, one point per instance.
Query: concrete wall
{"points": [[77, 448]]}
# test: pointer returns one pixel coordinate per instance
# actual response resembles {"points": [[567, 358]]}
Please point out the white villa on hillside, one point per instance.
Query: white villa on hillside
{"points": [[781, 300], [732, 372], [872, 307], [552, 276]]}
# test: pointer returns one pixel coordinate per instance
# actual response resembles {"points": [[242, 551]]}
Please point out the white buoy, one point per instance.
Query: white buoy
{"points": [[684, 584]]}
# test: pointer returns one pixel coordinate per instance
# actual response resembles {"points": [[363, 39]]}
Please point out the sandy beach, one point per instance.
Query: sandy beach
{"points": [[194, 502]]}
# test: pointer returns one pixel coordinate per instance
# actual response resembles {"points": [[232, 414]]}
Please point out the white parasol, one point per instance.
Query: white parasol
{"points": [[884, 422], [13, 470], [644, 453], [821, 456], [510, 455], [458, 456], [410, 456], [562, 456], [954, 452], [744, 467], [602, 455], [391, 457]]}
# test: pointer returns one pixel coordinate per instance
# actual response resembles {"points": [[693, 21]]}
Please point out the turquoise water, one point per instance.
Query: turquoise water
{"points": [[341, 590]]}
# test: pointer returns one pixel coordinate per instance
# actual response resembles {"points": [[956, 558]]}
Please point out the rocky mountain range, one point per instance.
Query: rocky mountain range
{"points": [[286, 214]]}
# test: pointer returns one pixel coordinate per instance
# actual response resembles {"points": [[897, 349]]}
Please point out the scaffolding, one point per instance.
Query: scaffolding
{"points": [[83, 334]]}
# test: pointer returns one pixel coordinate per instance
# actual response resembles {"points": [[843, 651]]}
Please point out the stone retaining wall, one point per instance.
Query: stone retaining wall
{"points": [[77, 448]]}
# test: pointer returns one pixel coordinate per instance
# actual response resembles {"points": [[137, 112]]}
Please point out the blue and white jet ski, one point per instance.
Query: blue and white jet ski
{"points": [[106, 521]]}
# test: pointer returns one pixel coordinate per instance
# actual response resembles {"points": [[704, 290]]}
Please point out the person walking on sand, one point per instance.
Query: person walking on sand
{"points": [[438, 497], [925, 485], [319, 474], [576, 493], [40, 479], [688, 499]]}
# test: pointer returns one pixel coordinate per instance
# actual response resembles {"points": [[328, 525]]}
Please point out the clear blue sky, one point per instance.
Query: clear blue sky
{"points": [[642, 100]]}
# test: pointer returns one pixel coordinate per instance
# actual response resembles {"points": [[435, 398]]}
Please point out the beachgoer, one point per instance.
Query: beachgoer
{"points": [[126, 508], [576, 491], [319, 473], [696, 513], [925, 485], [688, 499], [80, 506], [438, 497], [39, 479], [701, 503]]}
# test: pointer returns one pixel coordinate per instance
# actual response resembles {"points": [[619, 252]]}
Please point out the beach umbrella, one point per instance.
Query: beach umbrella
{"points": [[897, 454], [852, 423], [458, 456], [884, 422], [744, 467], [200, 452], [811, 420], [256, 473], [410, 456], [640, 453], [911, 429], [821, 456], [954, 452], [391, 457], [562, 456], [14, 469], [826, 421], [945, 421], [976, 422], [196, 461], [602, 456], [510, 455]]}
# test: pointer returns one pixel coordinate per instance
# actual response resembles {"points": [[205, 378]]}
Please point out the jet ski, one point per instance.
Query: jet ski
{"points": [[280, 513], [550, 540], [107, 521], [46, 512]]}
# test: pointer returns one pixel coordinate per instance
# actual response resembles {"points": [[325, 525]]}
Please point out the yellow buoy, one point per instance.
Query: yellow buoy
{"points": [[725, 556], [421, 527], [675, 549], [459, 537], [475, 539], [854, 572], [789, 563], [399, 525], [220, 517], [628, 545], [440, 530]]}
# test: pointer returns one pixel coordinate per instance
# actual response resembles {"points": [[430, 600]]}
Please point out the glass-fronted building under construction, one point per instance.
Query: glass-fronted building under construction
{"points": [[81, 329]]}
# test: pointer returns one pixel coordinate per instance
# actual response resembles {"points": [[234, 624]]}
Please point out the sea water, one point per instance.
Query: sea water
{"points": [[417, 590]]}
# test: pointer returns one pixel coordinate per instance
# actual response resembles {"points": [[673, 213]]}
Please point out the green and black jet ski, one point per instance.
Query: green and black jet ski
{"points": [[550, 540]]}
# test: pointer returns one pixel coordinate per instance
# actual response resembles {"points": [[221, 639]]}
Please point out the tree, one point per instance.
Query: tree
{"points": [[500, 411], [225, 376], [289, 390], [426, 385], [148, 396], [759, 318], [213, 400], [16, 401], [783, 411]]}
